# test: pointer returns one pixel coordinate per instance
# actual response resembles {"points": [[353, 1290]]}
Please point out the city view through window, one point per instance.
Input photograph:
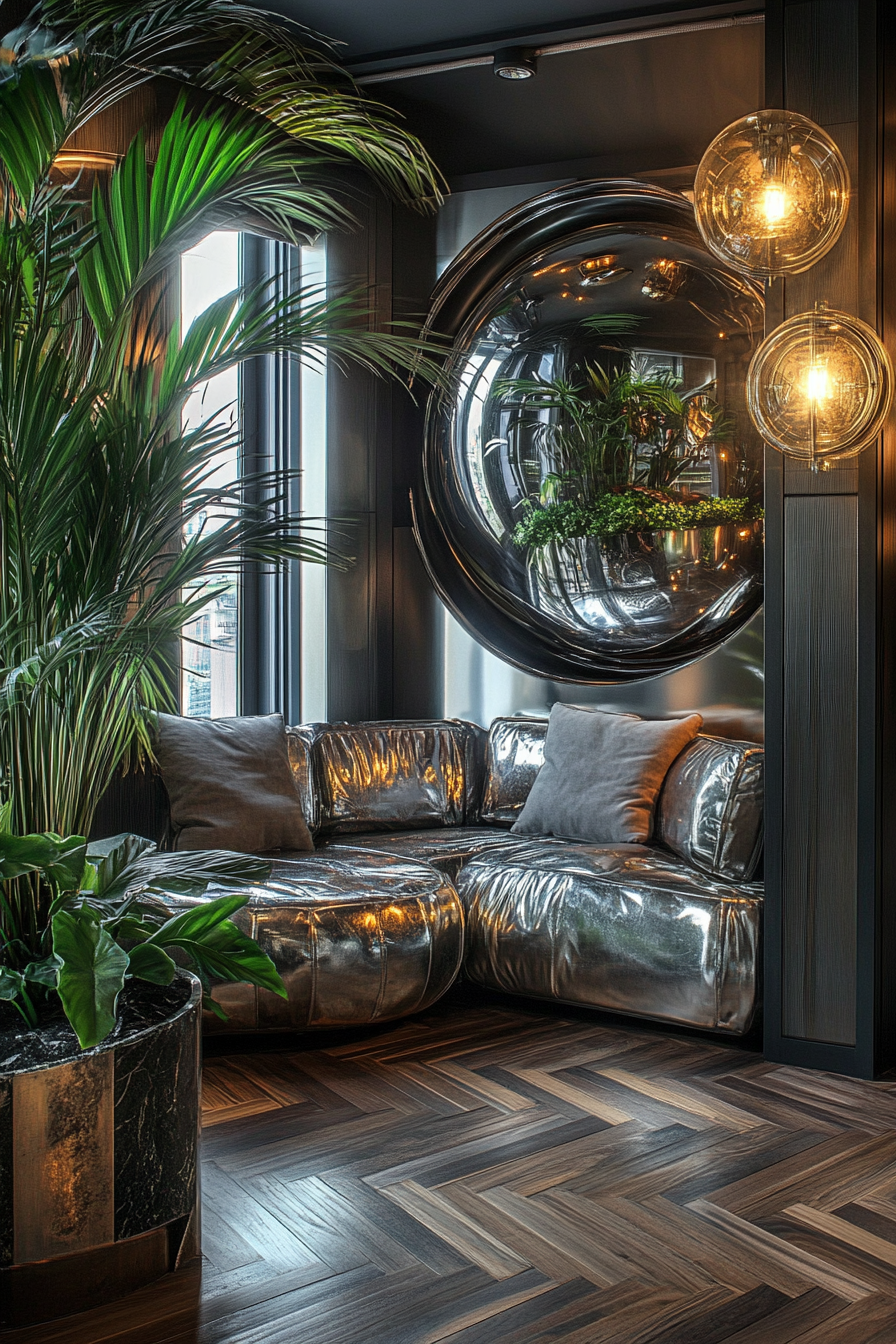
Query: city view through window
{"points": [[209, 644]]}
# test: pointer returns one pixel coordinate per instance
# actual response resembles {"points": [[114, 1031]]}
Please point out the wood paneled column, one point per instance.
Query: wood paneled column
{"points": [[830, 614]]}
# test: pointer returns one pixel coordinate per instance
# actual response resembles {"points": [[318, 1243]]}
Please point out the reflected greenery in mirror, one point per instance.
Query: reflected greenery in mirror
{"points": [[614, 445], [593, 481]]}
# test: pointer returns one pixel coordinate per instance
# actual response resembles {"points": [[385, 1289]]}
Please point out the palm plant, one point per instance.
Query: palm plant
{"points": [[103, 558]]}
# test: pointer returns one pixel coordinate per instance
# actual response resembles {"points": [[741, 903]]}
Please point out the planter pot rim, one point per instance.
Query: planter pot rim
{"points": [[193, 994]]}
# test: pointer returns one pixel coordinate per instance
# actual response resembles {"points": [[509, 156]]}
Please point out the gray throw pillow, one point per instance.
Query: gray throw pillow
{"points": [[602, 775], [230, 784]]}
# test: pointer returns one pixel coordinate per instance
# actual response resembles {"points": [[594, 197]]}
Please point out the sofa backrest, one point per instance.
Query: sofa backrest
{"points": [[388, 775], [514, 754], [709, 811], [710, 808]]}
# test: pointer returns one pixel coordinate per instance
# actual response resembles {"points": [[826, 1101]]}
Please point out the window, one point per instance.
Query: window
{"points": [[209, 680], [259, 645]]}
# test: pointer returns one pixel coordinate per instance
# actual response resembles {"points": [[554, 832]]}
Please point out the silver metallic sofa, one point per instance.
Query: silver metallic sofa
{"points": [[417, 874]]}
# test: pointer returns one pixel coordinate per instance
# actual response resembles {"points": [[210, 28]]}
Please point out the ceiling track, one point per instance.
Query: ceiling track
{"points": [[562, 48]]}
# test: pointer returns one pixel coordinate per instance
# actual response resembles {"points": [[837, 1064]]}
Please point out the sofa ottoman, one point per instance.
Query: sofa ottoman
{"points": [[357, 936]]}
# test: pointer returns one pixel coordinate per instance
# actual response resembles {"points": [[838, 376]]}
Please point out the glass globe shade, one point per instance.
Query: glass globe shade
{"points": [[771, 194], [820, 386]]}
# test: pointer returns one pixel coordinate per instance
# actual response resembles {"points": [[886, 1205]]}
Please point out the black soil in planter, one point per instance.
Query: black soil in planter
{"points": [[98, 1153], [140, 1007]]}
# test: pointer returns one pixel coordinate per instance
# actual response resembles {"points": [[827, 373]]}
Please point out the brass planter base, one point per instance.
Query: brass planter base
{"points": [[67, 1284], [99, 1156]]}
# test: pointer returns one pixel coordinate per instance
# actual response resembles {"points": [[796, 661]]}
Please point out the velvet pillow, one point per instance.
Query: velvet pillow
{"points": [[229, 784], [602, 775]]}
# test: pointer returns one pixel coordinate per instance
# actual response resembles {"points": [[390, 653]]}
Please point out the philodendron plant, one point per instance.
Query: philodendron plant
{"points": [[103, 926]]}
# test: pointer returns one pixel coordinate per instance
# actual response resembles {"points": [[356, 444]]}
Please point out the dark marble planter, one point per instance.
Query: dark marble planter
{"points": [[99, 1155]]}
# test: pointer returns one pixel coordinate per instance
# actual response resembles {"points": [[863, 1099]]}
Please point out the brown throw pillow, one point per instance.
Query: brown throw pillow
{"points": [[602, 775], [230, 784]]}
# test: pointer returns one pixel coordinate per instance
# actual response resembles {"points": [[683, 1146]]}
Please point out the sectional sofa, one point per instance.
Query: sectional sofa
{"points": [[416, 877]]}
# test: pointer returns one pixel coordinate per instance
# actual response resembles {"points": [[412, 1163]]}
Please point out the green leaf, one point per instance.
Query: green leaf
{"points": [[32, 128], [133, 928], [226, 953], [199, 920], [12, 984], [91, 976], [61, 860], [45, 972], [110, 858], [185, 872], [217, 949], [148, 962]]}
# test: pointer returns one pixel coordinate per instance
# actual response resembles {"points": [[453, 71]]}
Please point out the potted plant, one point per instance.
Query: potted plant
{"points": [[103, 561], [605, 454]]}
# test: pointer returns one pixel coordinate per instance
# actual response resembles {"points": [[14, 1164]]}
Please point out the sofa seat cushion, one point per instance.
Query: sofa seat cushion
{"points": [[447, 849], [357, 937], [627, 928]]}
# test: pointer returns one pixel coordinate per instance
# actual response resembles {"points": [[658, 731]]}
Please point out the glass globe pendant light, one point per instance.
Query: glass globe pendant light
{"points": [[820, 387], [771, 194]]}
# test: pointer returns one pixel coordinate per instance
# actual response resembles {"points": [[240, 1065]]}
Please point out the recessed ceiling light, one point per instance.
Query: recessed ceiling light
{"points": [[515, 63]]}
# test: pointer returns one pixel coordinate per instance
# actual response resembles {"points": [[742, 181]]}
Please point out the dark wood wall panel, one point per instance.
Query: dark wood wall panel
{"points": [[383, 620], [353, 407], [830, 903], [820, 798], [821, 59]]}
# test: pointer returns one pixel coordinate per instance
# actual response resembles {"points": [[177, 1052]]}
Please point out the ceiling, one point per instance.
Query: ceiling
{"points": [[608, 111], [374, 30]]}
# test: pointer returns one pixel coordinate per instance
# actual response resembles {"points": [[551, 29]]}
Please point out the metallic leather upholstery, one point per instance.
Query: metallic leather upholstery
{"points": [[370, 927], [390, 776], [358, 937], [514, 755], [298, 741], [624, 927], [447, 849], [709, 812]]}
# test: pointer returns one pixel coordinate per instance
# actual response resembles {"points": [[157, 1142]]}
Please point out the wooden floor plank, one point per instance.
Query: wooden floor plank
{"points": [[500, 1173]]}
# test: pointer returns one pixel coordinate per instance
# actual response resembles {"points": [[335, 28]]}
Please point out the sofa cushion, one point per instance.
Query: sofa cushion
{"points": [[298, 743], [602, 775], [627, 928], [710, 808], [229, 784], [447, 848], [394, 776], [514, 755]]}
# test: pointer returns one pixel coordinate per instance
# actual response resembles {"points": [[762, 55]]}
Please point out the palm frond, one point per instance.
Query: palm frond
{"points": [[251, 57], [115, 528], [32, 129]]}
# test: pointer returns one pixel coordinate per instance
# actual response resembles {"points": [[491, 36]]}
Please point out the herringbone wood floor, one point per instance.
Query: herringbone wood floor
{"points": [[503, 1172]]}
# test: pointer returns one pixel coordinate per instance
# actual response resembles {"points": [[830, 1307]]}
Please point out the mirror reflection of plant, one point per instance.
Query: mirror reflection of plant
{"points": [[614, 429], [618, 512]]}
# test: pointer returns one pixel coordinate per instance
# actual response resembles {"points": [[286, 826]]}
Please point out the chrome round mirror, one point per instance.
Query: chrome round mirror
{"points": [[591, 502]]}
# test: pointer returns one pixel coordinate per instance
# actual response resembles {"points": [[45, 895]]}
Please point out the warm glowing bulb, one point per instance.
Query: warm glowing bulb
{"points": [[818, 383], [771, 194], [774, 203]]}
